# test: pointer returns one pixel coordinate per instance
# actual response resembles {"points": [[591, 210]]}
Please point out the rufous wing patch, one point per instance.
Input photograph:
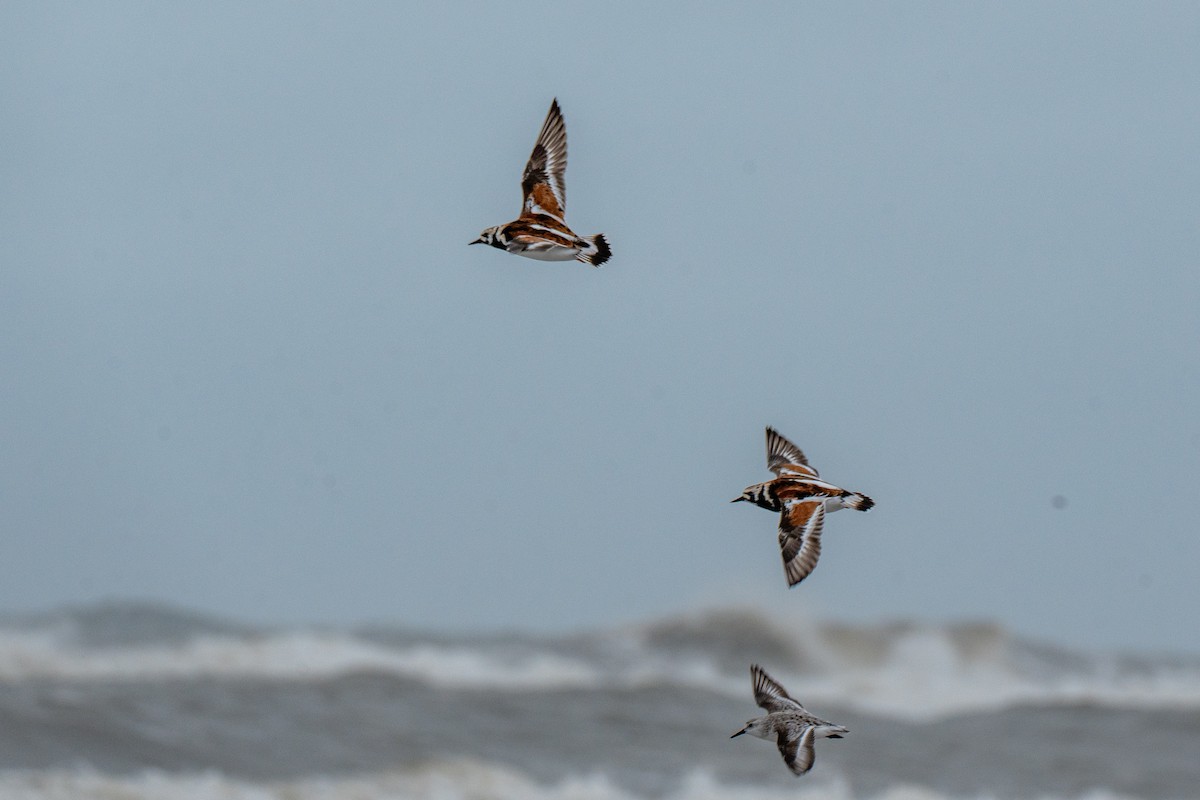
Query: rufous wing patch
{"points": [[543, 185], [540, 199], [800, 525], [799, 470], [782, 453]]}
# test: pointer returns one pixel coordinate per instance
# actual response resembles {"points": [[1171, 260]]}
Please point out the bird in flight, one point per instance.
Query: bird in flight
{"points": [[787, 722], [802, 500], [541, 232]]}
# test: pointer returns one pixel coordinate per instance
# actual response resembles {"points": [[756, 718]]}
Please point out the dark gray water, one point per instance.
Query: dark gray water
{"points": [[116, 694]]}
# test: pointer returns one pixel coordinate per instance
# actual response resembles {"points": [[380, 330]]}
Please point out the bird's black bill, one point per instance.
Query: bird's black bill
{"points": [[477, 241], [739, 733], [737, 499]]}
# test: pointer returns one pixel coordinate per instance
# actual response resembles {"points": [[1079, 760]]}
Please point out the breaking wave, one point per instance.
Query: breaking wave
{"points": [[910, 670]]}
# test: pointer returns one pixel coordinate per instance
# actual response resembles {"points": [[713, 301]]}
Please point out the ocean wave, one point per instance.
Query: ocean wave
{"points": [[908, 671], [454, 780], [26, 655]]}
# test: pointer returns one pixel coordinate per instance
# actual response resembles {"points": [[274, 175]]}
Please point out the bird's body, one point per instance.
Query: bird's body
{"points": [[541, 232], [787, 723], [802, 500]]}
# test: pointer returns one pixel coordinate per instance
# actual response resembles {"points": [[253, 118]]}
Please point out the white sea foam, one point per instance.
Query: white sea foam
{"points": [[917, 672], [925, 675], [294, 655], [460, 780]]}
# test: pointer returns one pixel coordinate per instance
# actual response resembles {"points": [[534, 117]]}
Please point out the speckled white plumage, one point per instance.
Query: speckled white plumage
{"points": [[787, 722]]}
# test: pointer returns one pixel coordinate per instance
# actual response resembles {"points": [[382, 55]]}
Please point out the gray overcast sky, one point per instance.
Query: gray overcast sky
{"points": [[952, 250]]}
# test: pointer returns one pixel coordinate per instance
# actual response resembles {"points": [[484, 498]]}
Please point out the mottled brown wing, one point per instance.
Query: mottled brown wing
{"points": [[783, 457], [770, 694], [796, 747], [800, 525], [543, 184], [532, 235]]}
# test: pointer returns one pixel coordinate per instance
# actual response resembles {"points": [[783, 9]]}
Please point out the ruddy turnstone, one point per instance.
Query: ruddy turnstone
{"points": [[802, 499], [787, 722], [541, 232]]}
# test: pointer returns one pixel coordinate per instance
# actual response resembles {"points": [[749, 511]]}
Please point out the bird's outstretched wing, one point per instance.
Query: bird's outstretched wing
{"points": [[800, 525], [769, 694], [796, 747], [543, 184], [784, 458]]}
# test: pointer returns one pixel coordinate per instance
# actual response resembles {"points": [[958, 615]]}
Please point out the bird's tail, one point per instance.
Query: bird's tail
{"points": [[858, 501], [597, 251]]}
